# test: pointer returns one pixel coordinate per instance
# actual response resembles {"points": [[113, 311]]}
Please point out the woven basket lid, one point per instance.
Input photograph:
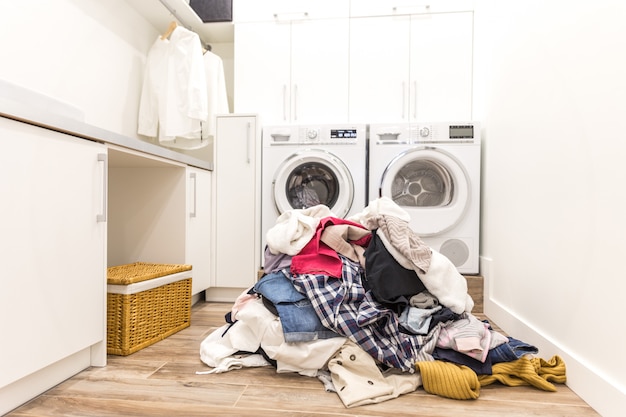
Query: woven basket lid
{"points": [[141, 271]]}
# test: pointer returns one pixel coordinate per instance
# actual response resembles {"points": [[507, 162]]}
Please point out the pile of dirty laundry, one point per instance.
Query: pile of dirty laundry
{"points": [[366, 307]]}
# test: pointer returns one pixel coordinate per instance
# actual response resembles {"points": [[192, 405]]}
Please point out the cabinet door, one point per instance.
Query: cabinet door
{"points": [[319, 70], [52, 248], [379, 69], [362, 8], [236, 202], [269, 10], [297, 74], [411, 68], [198, 247], [263, 70], [441, 66]]}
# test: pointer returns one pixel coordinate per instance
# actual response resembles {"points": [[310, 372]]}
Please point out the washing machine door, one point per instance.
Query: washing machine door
{"points": [[310, 177], [431, 185]]}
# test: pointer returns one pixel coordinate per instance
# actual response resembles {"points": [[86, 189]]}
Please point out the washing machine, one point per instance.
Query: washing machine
{"points": [[303, 166], [432, 171]]}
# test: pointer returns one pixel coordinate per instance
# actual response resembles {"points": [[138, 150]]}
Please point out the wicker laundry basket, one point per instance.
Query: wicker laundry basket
{"points": [[146, 302]]}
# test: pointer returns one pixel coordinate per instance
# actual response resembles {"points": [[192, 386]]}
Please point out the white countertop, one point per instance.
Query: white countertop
{"points": [[30, 107]]}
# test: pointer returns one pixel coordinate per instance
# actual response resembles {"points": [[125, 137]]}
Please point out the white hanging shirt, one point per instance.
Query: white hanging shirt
{"points": [[216, 92], [174, 96]]}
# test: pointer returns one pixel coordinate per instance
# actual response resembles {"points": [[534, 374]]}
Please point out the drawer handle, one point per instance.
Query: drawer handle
{"points": [[291, 16], [192, 176], [248, 138], [411, 9], [102, 157]]}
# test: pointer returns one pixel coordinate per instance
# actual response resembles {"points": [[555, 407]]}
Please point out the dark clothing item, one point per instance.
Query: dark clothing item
{"points": [[445, 314], [390, 283], [451, 355]]}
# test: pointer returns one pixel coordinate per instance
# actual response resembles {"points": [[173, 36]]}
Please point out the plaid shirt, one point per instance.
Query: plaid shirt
{"points": [[344, 306]]}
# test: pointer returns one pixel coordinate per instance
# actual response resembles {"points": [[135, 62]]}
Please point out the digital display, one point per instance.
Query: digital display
{"points": [[343, 133], [461, 132]]}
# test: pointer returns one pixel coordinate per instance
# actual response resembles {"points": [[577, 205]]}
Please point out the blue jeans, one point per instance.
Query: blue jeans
{"points": [[511, 351], [297, 315]]}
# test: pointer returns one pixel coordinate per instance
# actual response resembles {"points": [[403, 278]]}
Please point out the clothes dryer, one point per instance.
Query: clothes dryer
{"points": [[303, 166], [432, 171]]}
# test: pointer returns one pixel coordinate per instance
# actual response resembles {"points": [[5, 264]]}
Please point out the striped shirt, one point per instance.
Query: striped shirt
{"points": [[344, 306]]}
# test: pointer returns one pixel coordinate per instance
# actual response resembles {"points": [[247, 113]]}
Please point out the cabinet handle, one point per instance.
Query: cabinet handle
{"points": [[411, 9], [415, 100], [285, 102], [192, 176], [102, 157], [295, 102], [291, 16], [403, 100], [248, 142]]}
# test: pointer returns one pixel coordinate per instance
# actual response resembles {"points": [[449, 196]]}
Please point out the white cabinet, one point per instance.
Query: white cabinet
{"points": [[269, 10], [159, 211], [52, 250], [198, 245], [236, 196], [292, 62], [362, 8], [411, 67], [147, 208]]}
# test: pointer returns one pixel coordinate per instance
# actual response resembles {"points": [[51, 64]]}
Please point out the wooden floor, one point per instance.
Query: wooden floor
{"points": [[160, 381]]}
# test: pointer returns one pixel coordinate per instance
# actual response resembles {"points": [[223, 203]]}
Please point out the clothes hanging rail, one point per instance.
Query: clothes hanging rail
{"points": [[172, 26], [175, 14]]}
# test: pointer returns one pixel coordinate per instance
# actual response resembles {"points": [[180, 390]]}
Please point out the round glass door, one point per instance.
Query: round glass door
{"points": [[312, 177], [431, 185]]}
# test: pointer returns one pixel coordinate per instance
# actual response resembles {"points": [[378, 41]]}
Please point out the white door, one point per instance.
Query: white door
{"points": [[292, 71], [410, 68], [311, 177], [198, 240], [441, 66], [263, 70], [53, 228], [319, 71], [237, 196], [379, 69], [431, 185]]}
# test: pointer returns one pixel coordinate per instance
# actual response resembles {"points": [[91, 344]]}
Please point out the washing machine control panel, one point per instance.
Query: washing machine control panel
{"points": [[310, 134], [436, 132], [464, 132], [333, 135], [424, 131]]}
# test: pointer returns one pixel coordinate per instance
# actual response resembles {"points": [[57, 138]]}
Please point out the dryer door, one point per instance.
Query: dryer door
{"points": [[311, 177], [431, 185]]}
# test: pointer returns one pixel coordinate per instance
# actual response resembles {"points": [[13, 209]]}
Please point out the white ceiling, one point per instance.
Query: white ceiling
{"points": [[157, 13]]}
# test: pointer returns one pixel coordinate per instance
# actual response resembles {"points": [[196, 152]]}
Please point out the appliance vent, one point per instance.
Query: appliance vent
{"points": [[456, 251]]}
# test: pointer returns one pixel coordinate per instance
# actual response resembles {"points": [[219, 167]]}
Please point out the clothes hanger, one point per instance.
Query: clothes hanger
{"points": [[169, 30]]}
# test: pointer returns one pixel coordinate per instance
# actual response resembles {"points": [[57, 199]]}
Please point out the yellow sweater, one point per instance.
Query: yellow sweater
{"points": [[536, 372], [461, 383]]}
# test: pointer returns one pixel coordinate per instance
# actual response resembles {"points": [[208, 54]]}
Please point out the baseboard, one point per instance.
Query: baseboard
{"points": [[588, 383], [223, 295], [29, 387]]}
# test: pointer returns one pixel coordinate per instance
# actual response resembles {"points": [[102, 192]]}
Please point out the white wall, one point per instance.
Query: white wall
{"points": [[551, 92], [88, 53]]}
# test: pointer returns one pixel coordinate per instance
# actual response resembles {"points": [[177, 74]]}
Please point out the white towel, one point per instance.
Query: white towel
{"points": [[445, 282], [294, 228], [381, 206]]}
